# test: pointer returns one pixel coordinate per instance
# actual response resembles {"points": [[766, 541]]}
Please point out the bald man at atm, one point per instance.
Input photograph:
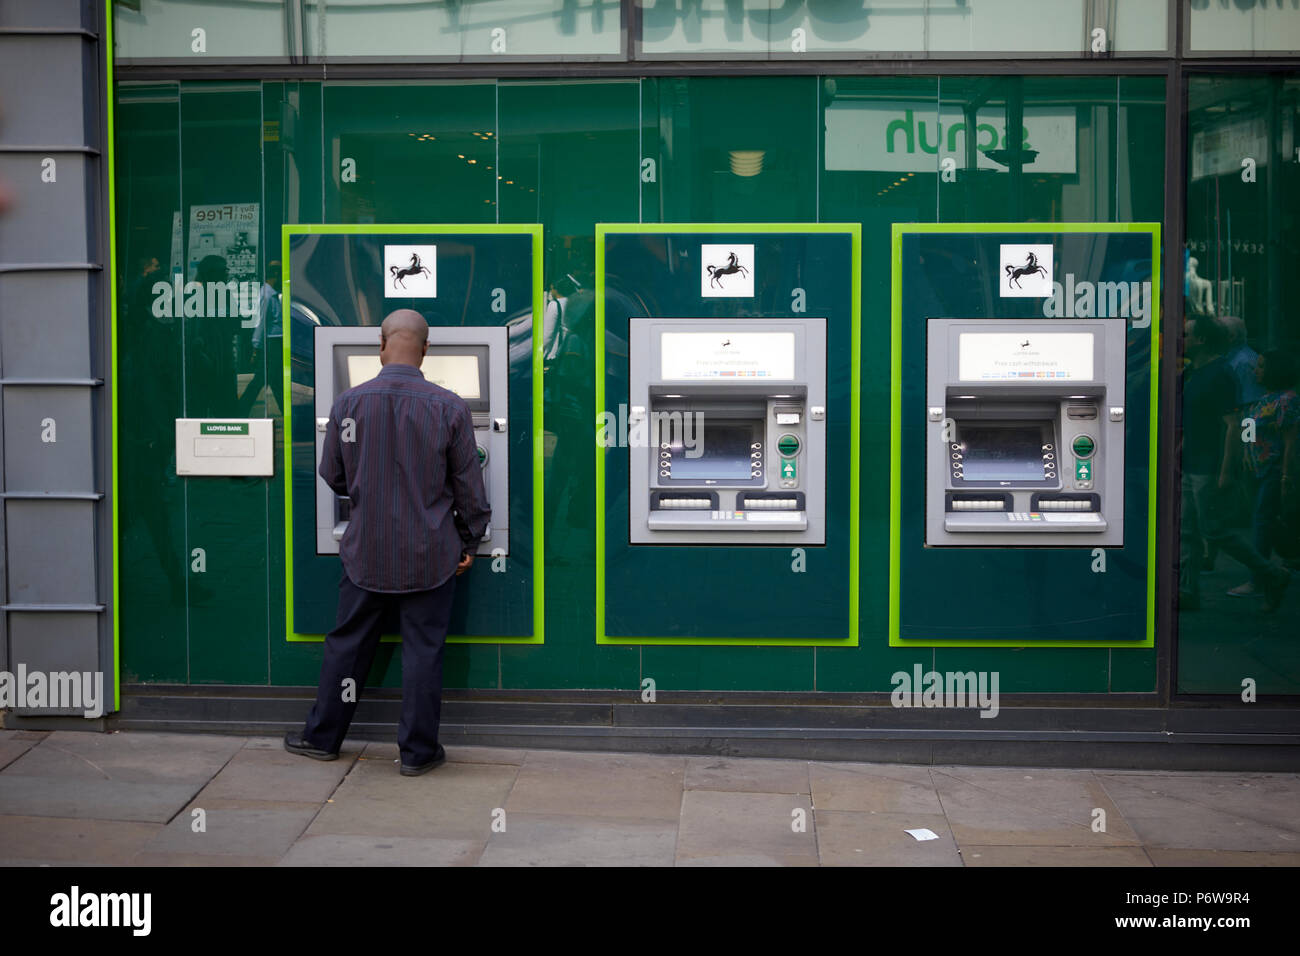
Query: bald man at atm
{"points": [[403, 450]]}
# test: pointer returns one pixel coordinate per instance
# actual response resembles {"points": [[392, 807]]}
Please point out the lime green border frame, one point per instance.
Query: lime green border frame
{"points": [[111, 172], [896, 419], [432, 229], [853, 230]]}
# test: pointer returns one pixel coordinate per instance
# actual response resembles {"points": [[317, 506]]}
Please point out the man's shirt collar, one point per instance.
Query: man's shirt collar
{"points": [[394, 368]]}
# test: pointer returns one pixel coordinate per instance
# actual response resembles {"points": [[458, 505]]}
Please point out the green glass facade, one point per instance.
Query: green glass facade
{"points": [[386, 144]]}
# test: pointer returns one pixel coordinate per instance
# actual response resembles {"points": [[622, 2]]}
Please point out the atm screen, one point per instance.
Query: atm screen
{"points": [[458, 373], [725, 453], [1005, 453]]}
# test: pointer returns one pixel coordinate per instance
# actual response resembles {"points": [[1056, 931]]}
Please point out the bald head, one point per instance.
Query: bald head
{"points": [[402, 338]]}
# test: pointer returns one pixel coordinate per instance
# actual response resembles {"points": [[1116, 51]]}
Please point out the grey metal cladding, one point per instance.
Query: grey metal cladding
{"points": [[48, 15], [55, 642], [44, 326], [49, 222], [32, 414], [51, 72], [51, 552]]}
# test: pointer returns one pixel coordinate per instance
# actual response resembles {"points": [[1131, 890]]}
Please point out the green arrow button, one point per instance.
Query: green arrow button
{"points": [[787, 468], [1082, 470]]}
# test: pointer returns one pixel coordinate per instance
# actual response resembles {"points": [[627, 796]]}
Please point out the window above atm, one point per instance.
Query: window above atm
{"points": [[341, 31]]}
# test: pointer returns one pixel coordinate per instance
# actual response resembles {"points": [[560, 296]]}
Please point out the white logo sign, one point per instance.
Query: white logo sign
{"points": [[410, 272], [1025, 272], [726, 271]]}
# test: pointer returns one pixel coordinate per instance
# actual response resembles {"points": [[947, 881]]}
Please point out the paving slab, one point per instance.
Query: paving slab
{"points": [[1054, 856], [1167, 857], [747, 775], [94, 799], [341, 850], [745, 829], [275, 776], [993, 806], [600, 786], [471, 753], [261, 832], [1202, 828], [36, 840], [453, 802], [1265, 798], [15, 743], [884, 788], [851, 838], [205, 860], [532, 839], [127, 757]]}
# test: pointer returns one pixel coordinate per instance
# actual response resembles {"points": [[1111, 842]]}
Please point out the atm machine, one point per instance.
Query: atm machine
{"points": [[1025, 433], [470, 361], [727, 431]]}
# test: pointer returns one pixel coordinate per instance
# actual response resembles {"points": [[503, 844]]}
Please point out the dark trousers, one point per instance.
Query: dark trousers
{"points": [[350, 650]]}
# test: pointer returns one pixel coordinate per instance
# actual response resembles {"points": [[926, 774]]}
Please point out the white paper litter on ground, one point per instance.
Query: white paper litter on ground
{"points": [[923, 834]]}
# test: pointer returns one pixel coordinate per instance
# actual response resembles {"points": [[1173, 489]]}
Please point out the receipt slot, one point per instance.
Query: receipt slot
{"points": [[731, 421], [1025, 433], [470, 361]]}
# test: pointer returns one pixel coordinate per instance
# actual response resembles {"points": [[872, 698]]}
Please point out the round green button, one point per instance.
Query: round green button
{"points": [[1084, 446], [788, 445], [482, 455]]}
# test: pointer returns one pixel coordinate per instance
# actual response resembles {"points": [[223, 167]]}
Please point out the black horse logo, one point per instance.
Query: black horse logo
{"points": [[731, 268], [1025, 344], [414, 269], [1031, 267]]}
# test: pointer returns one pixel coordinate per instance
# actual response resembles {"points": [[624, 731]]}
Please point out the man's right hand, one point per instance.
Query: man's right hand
{"points": [[465, 561]]}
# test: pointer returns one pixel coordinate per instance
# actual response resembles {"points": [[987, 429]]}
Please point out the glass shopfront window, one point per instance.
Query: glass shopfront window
{"points": [[201, 29], [568, 154], [856, 28], [1240, 447], [1265, 27], [314, 30], [470, 29], [582, 30]]}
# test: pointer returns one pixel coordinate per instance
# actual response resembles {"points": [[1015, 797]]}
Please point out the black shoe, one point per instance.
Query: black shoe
{"points": [[294, 743], [439, 758]]}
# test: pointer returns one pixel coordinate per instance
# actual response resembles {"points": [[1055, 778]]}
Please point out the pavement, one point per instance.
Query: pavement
{"points": [[129, 798]]}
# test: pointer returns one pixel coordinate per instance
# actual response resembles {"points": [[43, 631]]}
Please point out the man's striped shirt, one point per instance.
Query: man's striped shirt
{"points": [[403, 450]]}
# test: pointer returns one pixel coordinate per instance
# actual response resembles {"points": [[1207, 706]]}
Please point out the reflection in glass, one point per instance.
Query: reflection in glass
{"points": [[477, 29], [213, 29], [1240, 517]]}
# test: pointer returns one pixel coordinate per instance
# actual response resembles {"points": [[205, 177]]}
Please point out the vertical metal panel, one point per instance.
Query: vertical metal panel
{"points": [[56, 565], [45, 324], [49, 221], [48, 71], [54, 642], [33, 414], [50, 545], [44, 15]]}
